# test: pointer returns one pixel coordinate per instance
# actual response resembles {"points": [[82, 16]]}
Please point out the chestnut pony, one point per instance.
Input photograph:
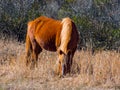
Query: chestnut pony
{"points": [[52, 35]]}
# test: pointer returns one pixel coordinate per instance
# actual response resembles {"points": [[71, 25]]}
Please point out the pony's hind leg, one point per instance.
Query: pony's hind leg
{"points": [[36, 50]]}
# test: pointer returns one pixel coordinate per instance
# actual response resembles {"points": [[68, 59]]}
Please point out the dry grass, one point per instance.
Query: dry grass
{"points": [[89, 72]]}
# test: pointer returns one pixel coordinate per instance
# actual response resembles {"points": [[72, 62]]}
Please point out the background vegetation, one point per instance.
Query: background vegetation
{"points": [[98, 21]]}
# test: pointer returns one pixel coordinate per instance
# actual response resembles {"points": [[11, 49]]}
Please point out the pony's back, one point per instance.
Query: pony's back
{"points": [[46, 32]]}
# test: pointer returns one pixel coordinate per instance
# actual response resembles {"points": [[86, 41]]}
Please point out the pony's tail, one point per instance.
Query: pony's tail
{"points": [[28, 46], [65, 34]]}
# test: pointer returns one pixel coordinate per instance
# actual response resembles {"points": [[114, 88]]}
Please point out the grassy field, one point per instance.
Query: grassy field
{"points": [[100, 71]]}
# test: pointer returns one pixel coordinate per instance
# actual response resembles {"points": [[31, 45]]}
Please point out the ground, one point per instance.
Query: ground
{"points": [[100, 71]]}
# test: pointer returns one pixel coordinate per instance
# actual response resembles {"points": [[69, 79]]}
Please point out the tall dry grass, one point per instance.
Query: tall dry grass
{"points": [[103, 68], [100, 71]]}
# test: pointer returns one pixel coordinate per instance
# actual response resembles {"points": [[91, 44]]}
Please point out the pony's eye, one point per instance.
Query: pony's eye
{"points": [[61, 52]]}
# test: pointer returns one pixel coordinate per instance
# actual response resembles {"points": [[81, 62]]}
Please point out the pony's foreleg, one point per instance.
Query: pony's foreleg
{"points": [[70, 60]]}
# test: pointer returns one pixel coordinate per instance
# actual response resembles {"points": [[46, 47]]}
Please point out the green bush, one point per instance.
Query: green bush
{"points": [[96, 31]]}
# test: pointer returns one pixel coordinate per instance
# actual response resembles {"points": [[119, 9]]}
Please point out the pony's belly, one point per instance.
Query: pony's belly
{"points": [[50, 46]]}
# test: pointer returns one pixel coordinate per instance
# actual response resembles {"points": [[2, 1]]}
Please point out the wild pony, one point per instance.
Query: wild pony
{"points": [[52, 35]]}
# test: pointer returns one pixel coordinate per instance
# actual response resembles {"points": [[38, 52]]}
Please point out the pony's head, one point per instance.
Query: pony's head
{"points": [[64, 63]]}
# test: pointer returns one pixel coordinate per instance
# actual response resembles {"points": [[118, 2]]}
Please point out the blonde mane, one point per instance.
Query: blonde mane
{"points": [[65, 34]]}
